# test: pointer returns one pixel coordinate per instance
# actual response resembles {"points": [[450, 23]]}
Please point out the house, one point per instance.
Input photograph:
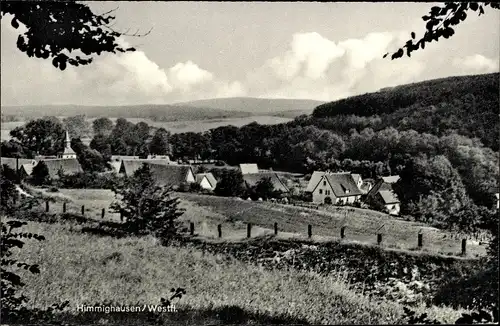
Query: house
{"points": [[333, 188], [68, 166], [357, 180], [249, 168], [25, 170], [68, 152], [165, 174], [206, 180], [278, 183], [382, 195]]}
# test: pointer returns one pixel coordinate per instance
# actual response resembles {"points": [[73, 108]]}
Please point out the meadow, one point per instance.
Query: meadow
{"points": [[206, 212], [88, 269]]}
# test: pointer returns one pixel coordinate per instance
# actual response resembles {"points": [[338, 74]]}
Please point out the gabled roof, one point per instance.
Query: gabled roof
{"points": [[391, 179], [249, 168], [164, 174], [315, 178], [68, 165], [278, 184], [11, 162], [28, 168], [342, 184], [388, 196], [210, 177]]}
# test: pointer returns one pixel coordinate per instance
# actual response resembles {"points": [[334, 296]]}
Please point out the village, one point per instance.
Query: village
{"points": [[322, 188]]}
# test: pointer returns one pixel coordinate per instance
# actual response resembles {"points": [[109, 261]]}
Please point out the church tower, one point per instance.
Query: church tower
{"points": [[68, 151]]}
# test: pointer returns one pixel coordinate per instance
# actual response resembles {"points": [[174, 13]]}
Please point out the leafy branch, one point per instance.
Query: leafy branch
{"points": [[439, 22]]}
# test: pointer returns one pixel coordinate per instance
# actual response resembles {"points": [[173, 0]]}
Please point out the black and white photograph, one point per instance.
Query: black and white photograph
{"points": [[249, 163]]}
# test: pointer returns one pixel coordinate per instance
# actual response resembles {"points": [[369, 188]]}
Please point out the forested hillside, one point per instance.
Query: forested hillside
{"points": [[468, 104]]}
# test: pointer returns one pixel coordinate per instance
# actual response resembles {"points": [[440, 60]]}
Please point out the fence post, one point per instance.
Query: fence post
{"points": [[219, 229], [275, 228], [83, 209], [464, 247], [249, 230], [420, 240], [103, 212], [191, 228], [64, 207], [342, 232], [47, 206], [379, 239], [309, 230]]}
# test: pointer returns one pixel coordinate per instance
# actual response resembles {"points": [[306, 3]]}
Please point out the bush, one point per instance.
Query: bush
{"points": [[148, 208], [89, 180], [11, 283]]}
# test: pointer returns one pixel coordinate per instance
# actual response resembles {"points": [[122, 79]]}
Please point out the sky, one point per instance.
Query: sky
{"points": [[299, 50]]}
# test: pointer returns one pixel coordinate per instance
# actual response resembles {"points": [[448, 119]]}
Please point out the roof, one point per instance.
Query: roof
{"points": [[123, 157], [388, 197], [164, 174], [384, 188], [278, 184], [210, 177], [249, 168], [11, 162], [315, 178], [343, 184], [391, 179], [68, 165]]}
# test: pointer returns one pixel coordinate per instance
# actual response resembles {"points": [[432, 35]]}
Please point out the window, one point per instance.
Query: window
{"points": [[320, 191], [324, 183]]}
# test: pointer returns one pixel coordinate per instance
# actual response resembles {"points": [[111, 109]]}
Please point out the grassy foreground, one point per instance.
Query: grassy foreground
{"points": [[87, 269]]}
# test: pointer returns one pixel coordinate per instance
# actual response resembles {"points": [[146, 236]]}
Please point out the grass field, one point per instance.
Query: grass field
{"points": [[233, 214], [361, 225], [88, 269]]}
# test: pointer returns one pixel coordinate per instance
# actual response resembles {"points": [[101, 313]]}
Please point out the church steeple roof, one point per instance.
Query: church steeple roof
{"points": [[67, 147]]}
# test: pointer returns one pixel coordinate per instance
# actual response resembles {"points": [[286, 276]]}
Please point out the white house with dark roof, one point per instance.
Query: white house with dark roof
{"points": [[206, 180], [382, 195], [333, 188]]}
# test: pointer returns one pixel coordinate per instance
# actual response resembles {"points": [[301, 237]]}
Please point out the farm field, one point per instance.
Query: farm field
{"points": [[88, 269], [206, 212], [175, 126]]}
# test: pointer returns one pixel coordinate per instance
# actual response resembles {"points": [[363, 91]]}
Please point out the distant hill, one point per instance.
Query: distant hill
{"points": [[155, 112], [268, 106], [466, 104], [220, 108]]}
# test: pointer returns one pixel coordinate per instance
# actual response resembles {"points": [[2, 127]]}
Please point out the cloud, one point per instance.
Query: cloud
{"points": [[318, 68], [476, 64], [186, 75]]}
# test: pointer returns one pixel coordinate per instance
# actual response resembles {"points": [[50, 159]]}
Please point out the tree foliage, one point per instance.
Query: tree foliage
{"points": [[66, 31], [77, 126], [102, 126], [40, 174], [439, 24], [148, 208], [43, 136], [230, 183], [11, 281]]}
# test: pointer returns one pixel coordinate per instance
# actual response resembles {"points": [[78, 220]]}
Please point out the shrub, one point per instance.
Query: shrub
{"points": [[11, 282], [148, 208]]}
